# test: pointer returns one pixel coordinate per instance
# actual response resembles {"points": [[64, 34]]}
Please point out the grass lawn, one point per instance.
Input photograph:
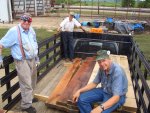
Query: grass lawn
{"points": [[41, 34], [101, 3], [143, 41]]}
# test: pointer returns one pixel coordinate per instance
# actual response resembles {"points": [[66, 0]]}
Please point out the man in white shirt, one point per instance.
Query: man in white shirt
{"points": [[67, 27]]}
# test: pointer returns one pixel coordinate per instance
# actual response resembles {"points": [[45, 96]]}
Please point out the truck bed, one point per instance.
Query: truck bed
{"points": [[47, 85]]}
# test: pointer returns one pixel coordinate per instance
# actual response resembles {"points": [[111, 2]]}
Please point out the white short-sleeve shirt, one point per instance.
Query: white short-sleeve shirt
{"points": [[67, 25]]}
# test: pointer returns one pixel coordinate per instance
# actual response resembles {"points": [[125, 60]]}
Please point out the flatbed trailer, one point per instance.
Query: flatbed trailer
{"points": [[52, 69]]}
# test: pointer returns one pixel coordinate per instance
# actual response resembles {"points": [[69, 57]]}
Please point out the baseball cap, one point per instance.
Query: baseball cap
{"points": [[71, 13], [102, 54], [26, 17]]}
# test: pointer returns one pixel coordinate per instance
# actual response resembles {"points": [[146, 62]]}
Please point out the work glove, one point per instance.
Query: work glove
{"points": [[37, 61], [1, 61]]}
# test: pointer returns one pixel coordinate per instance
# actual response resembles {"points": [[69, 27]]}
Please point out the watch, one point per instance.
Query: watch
{"points": [[102, 107]]}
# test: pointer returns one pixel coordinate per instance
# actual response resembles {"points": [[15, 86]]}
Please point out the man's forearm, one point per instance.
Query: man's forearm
{"points": [[82, 28], [109, 103], [88, 87]]}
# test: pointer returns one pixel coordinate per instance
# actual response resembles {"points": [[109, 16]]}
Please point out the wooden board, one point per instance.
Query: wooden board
{"points": [[2, 111], [64, 81], [79, 80]]}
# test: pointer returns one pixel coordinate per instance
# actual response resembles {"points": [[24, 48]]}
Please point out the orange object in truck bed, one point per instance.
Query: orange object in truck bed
{"points": [[96, 30]]}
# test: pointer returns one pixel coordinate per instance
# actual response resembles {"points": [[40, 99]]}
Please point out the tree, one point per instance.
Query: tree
{"points": [[144, 4], [147, 4], [128, 3]]}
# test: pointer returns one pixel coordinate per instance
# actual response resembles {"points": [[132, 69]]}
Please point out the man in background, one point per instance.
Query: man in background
{"points": [[67, 26]]}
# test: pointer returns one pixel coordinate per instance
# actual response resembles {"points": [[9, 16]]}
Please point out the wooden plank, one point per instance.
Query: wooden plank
{"points": [[52, 79], [5, 111], [2, 111], [41, 97], [130, 93], [130, 105], [65, 108], [79, 80], [94, 73], [64, 81], [49, 82], [115, 58], [124, 64]]}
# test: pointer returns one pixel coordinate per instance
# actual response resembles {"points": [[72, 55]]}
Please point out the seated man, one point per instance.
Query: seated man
{"points": [[111, 94]]}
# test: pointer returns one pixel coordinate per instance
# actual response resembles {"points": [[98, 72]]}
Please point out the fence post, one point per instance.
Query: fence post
{"points": [[47, 56], [55, 48], [8, 85]]}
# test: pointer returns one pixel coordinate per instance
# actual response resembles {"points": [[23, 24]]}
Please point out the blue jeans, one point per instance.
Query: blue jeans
{"points": [[67, 40], [86, 100]]}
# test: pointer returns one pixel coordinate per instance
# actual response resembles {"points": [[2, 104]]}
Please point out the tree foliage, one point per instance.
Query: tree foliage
{"points": [[65, 1], [144, 4], [128, 3]]}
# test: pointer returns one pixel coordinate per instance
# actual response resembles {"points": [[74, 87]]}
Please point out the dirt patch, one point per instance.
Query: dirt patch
{"points": [[38, 22]]}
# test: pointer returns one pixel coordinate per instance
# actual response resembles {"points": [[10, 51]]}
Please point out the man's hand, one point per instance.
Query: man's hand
{"points": [[76, 96], [97, 110], [1, 61], [37, 61], [59, 29]]}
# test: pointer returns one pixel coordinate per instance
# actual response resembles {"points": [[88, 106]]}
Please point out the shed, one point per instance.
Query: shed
{"points": [[5, 11]]}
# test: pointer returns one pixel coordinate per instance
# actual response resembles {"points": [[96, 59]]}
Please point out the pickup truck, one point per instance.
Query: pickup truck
{"points": [[52, 69]]}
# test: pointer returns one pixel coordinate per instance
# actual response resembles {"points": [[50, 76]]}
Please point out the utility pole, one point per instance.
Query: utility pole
{"points": [[115, 7], [98, 7], [80, 7], [35, 8]]}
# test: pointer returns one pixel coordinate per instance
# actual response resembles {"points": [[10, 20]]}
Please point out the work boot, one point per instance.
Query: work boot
{"points": [[67, 60], [71, 60], [34, 100], [30, 110]]}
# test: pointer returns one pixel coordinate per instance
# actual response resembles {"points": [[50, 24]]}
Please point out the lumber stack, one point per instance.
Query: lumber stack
{"points": [[76, 76]]}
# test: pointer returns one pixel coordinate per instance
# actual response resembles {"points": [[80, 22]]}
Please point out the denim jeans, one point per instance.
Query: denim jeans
{"points": [[86, 100], [67, 39]]}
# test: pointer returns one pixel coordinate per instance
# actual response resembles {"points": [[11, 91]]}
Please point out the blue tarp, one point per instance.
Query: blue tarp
{"points": [[109, 20], [138, 26]]}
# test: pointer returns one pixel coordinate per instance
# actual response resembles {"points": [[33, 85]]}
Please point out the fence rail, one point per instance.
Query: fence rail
{"points": [[140, 71]]}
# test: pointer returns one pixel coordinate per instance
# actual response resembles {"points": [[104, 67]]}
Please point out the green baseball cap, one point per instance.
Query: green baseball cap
{"points": [[102, 54]]}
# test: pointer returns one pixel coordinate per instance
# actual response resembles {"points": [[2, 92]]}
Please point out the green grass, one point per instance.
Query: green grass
{"points": [[108, 4], [40, 33], [43, 33], [143, 41]]}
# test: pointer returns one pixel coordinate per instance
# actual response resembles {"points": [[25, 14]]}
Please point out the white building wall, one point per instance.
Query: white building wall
{"points": [[5, 11]]}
